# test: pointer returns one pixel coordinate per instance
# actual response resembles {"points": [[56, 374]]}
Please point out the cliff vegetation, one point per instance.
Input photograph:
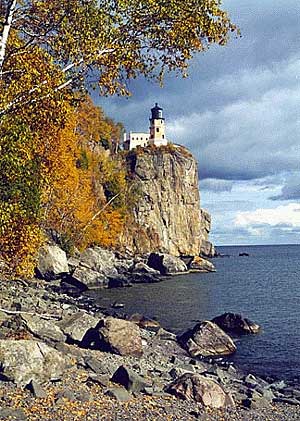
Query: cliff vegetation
{"points": [[58, 176]]}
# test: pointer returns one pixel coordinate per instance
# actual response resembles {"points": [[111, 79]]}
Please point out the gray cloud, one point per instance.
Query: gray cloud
{"points": [[212, 184], [246, 139], [237, 111]]}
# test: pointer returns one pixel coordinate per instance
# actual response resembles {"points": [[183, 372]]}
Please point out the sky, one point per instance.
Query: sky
{"points": [[239, 114]]}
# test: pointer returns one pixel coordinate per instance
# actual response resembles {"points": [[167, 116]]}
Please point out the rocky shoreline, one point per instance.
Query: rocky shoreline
{"points": [[100, 268], [64, 358]]}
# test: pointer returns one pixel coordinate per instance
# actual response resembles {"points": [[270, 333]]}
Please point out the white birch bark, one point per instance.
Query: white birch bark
{"points": [[5, 33]]}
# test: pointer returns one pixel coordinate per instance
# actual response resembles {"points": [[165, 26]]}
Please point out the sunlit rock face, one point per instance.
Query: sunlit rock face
{"points": [[166, 216]]}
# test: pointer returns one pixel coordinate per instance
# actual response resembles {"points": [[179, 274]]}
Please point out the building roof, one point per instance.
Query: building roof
{"points": [[156, 108]]}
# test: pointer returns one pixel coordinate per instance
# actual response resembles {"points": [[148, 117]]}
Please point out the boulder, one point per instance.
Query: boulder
{"points": [[25, 360], [141, 267], [78, 326], [99, 260], [37, 390], [124, 265], [132, 381], [207, 339], [52, 262], [118, 393], [166, 264], [121, 337], [144, 278], [200, 389], [85, 278], [96, 365], [207, 248], [43, 329], [199, 264], [145, 322], [236, 323], [119, 281]]}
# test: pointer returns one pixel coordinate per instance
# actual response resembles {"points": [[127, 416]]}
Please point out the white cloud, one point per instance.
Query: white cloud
{"points": [[290, 189], [285, 216]]}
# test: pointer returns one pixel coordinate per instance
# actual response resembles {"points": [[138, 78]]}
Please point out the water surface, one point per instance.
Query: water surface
{"points": [[264, 287]]}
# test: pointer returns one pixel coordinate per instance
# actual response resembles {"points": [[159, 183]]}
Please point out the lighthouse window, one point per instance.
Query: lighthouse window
{"points": [[163, 136], [157, 129]]}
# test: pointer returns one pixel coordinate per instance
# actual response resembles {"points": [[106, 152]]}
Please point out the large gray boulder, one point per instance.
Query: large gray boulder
{"points": [[207, 339], [121, 337], [77, 326], [85, 278], [52, 262], [236, 323], [166, 264], [43, 329], [128, 378], [141, 267], [199, 264], [201, 389], [97, 268], [22, 361], [99, 260]]}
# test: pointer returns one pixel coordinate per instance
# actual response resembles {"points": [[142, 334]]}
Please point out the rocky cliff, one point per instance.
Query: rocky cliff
{"points": [[166, 216]]}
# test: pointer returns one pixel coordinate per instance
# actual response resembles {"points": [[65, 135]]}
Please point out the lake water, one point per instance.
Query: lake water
{"points": [[264, 287]]}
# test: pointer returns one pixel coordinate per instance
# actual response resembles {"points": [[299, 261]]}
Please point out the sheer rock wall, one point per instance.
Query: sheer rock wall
{"points": [[166, 216]]}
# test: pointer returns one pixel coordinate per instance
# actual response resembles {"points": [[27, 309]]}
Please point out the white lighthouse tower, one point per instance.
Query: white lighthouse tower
{"points": [[157, 135], [157, 127]]}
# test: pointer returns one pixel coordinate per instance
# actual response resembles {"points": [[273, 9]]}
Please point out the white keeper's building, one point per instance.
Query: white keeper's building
{"points": [[156, 135]]}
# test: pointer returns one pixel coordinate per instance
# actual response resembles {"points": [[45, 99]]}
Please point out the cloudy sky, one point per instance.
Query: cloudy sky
{"points": [[239, 113]]}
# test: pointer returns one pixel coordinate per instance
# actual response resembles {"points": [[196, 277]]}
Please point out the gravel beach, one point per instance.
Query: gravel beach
{"points": [[85, 390]]}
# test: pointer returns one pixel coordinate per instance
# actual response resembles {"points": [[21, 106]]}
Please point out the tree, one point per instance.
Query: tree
{"points": [[96, 128], [27, 140], [85, 199], [107, 40]]}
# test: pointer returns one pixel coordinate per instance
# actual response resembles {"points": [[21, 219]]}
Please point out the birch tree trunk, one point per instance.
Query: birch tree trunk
{"points": [[11, 7]]}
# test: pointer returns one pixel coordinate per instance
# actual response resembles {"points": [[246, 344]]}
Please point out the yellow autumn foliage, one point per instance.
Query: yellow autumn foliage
{"points": [[84, 176], [51, 174]]}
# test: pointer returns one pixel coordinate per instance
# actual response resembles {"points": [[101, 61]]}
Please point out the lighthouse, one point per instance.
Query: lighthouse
{"points": [[156, 137], [157, 127]]}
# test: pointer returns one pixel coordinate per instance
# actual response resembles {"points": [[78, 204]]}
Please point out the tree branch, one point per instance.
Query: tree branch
{"points": [[43, 316], [23, 98], [100, 211]]}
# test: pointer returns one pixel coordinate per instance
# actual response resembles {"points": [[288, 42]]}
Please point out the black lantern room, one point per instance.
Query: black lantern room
{"points": [[156, 112]]}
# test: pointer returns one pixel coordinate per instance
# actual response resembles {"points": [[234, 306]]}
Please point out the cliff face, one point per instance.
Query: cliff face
{"points": [[167, 215]]}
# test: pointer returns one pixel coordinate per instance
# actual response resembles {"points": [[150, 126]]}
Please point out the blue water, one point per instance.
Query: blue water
{"points": [[264, 287]]}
